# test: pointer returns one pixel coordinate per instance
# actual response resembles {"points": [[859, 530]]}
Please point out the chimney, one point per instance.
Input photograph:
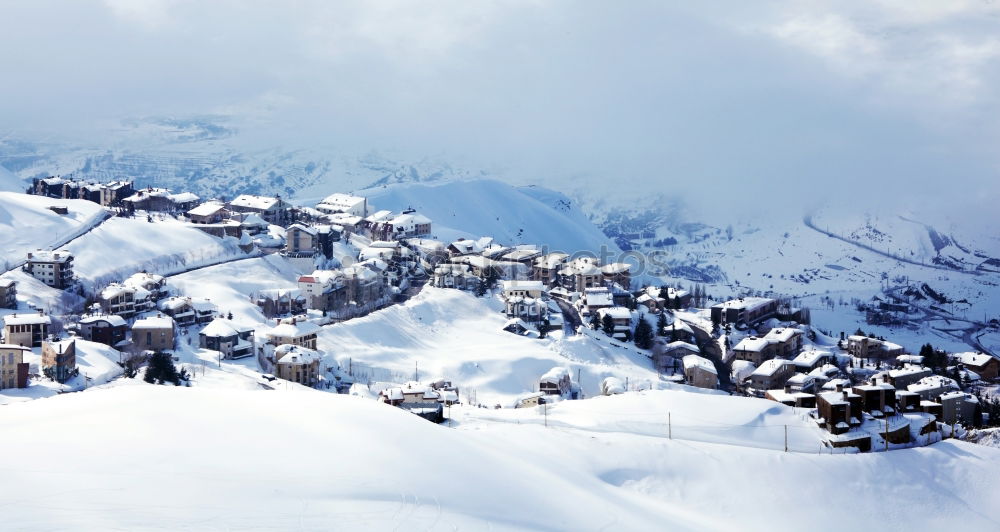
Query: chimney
{"points": [[840, 387], [885, 378], [874, 381], [788, 388], [843, 392], [41, 312]]}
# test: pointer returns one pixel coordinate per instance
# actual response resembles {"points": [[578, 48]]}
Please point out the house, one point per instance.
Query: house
{"points": [[531, 289], [676, 298], [771, 374], [8, 293], [902, 378], [986, 366], [419, 399], [297, 364], [229, 339], [178, 308], [780, 342], [812, 359], [151, 200], [210, 212], [595, 299], [839, 410], [753, 349], [118, 299], [546, 268], [324, 289], [106, 194], [745, 310], [273, 210], [204, 310], [667, 354], [580, 274], [877, 398], [961, 407], [281, 302], [700, 372], [301, 241], [409, 224], [620, 317], [456, 276], [790, 397], [105, 329], [184, 201], [652, 302], [618, 273], [529, 309], [525, 254], [932, 387], [556, 381], [13, 369], [27, 330], [787, 341], [530, 400], [59, 359], [467, 247], [872, 348], [344, 203], [294, 331], [155, 333], [54, 268], [251, 224]]}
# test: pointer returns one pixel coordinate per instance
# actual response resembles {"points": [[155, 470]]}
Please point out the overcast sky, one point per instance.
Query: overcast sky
{"points": [[744, 97]]}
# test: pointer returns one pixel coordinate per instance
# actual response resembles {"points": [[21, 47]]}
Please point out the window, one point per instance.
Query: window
{"points": [[149, 337]]}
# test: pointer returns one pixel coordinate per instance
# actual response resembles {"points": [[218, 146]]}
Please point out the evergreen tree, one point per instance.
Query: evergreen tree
{"points": [[595, 321], [661, 325], [643, 335], [161, 369], [608, 324]]}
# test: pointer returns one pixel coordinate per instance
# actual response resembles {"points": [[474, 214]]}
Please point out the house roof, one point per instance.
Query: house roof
{"points": [[220, 327], [555, 375], [769, 367], [42, 255], [206, 209], [294, 330], [531, 286], [112, 319], [184, 197], [811, 356], [745, 303], [154, 322], [26, 319], [702, 363], [972, 359], [342, 202], [248, 201], [616, 313]]}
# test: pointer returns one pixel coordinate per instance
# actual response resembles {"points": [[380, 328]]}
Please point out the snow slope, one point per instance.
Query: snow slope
{"points": [[512, 215], [26, 223], [453, 335], [210, 459], [164, 245]]}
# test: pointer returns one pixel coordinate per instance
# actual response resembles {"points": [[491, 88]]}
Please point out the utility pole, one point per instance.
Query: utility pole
{"points": [[416, 371], [887, 433], [786, 438], [545, 413], [670, 430]]}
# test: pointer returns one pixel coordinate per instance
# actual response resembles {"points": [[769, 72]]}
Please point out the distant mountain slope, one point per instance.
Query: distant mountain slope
{"points": [[10, 182], [512, 215]]}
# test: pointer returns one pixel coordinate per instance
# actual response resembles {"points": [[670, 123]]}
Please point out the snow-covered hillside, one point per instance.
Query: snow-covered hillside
{"points": [[453, 335], [162, 245], [144, 456], [512, 215], [27, 223]]}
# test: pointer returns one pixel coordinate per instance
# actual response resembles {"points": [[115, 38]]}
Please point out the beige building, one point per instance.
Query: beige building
{"points": [[8, 293], [153, 334], [301, 240], [11, 356], [27, 330], [54, 268], [297, 364], [700, 372]]}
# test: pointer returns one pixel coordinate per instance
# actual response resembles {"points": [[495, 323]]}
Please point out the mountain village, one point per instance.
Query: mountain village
{"points": [[859, 392]]}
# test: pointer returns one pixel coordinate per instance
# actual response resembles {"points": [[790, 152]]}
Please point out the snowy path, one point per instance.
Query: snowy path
{"points": [[87, 226]]}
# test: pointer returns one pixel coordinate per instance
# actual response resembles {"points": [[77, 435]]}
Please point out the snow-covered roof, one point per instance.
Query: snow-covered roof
{"points": [[529, 286], [410, 218], [174, 303], [752, 344], [220, 327], [206, 209], [555, 375], [297, 329], [114, 290], [908, 370], [184, 197], [342, 202], [616, 313], [811, 356], [252, 220], [300, 227], [616, 268], [154, 322], [769, 367], [12, 346], [7, 283], [972, 359], [695, 361], [295, 354], [598, 297], [112, 319], [26, 319], [248, 201], [42, 255], [672, 346], [782, 334]]}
